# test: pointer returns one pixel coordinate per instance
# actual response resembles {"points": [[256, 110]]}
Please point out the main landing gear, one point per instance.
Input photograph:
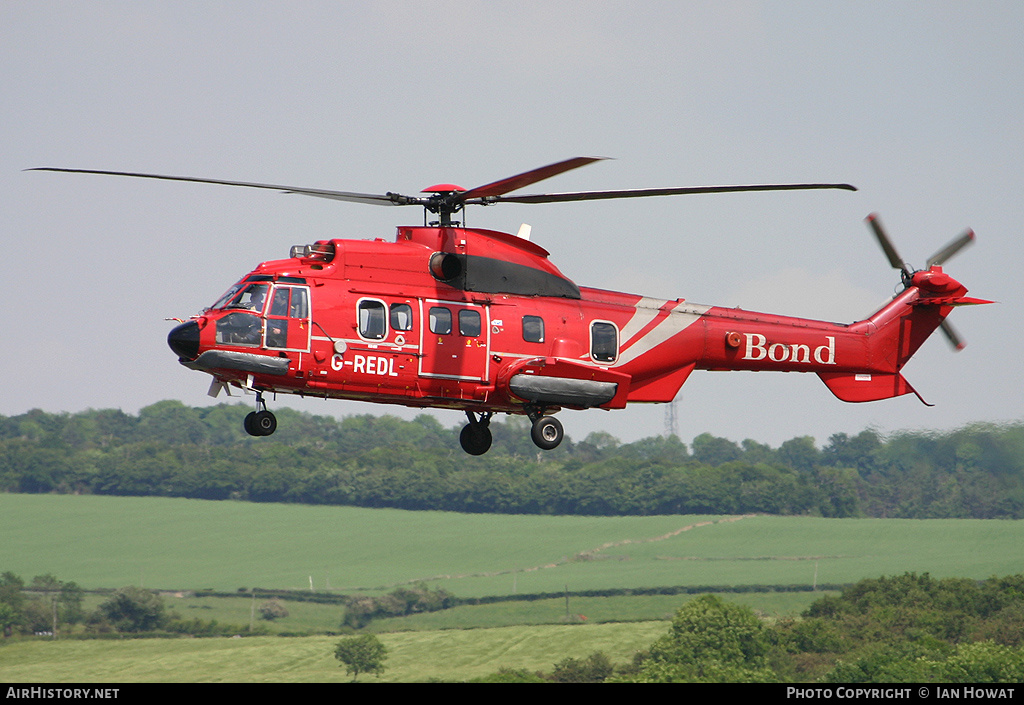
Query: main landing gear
{"points": [[260, 422], [475, 438], [547, 432]]}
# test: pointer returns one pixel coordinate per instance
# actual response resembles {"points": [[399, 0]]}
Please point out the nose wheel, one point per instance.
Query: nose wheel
{"points": [[260, 422]]}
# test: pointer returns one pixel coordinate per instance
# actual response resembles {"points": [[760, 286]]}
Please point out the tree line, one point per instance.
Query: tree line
{"points": [[169, 449], [899, 629], [47, 606]]}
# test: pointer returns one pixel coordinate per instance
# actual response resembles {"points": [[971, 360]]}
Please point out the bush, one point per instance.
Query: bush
{"points": [[132, 609]]}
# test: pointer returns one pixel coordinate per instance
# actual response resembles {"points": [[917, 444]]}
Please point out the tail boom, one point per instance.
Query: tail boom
{"points": [[859, 362]]}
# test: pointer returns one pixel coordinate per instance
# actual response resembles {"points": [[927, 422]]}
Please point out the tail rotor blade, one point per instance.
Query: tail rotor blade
{"points": [[954, 338], [890, 251], [955, 245]]}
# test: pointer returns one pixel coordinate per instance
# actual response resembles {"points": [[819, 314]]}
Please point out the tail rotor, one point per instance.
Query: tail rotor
{"points": [[936, 260]]}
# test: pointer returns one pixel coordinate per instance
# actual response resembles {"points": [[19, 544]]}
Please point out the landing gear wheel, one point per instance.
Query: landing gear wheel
{"points": [[476, 435], [248, 425], [547, 432], [263, 423], [475, 438]]}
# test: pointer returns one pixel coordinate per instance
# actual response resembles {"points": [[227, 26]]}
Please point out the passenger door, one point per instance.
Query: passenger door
{"points": [[455, 340], [388, 346]]}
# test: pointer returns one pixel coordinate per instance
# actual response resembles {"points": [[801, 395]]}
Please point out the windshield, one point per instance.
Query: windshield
{"points": [[231, 298], [250, 298], [228, 295]]}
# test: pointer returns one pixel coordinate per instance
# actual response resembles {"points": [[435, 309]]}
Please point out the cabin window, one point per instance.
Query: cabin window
{"points": [[533, 329], [401, 317], [440, 320], [372, 319], [469, 323], [604, 341]]}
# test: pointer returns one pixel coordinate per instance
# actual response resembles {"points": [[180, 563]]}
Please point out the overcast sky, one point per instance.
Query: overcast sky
{"points": [[920, 105]]}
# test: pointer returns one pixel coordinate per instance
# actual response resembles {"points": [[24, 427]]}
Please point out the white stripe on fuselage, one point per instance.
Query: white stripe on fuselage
{"points": [[646, 311], [675, 322]]}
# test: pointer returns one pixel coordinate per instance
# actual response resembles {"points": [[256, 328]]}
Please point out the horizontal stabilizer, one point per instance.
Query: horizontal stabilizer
{"points": [[950, 301], [857, 387]]}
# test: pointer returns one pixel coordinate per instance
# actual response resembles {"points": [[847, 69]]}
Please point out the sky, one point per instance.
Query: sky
{"points": [[919, 105]]}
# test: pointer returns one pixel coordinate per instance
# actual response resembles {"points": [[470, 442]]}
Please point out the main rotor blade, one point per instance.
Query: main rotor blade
{"points": [[890, 251], [388, 199], [951, 334], [955, 245], [485, 195], [513, 183], [641, 193]]}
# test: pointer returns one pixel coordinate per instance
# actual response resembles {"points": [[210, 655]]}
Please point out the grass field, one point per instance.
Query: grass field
{"points": [[179, 544], [449, 655], [185, 545]]}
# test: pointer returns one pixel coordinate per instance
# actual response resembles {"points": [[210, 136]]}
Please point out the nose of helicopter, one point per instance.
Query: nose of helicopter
{"points": [[184, 340]]}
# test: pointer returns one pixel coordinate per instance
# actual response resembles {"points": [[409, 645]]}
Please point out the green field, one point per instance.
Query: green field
{"points": [[180, 544], [453, 655]]}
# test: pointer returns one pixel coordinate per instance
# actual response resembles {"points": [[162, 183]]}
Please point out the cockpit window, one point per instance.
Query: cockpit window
{"points": [[238, 329], [228, 295], [279, 304], [300, 304], [251, 298], [254, 292]]}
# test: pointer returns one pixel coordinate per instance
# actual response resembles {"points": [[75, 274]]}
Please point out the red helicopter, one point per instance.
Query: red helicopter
{"points": [[481, 321]]}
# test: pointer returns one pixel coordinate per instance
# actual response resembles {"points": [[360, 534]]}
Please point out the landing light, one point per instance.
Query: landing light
{"points": [[321, 251]]}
